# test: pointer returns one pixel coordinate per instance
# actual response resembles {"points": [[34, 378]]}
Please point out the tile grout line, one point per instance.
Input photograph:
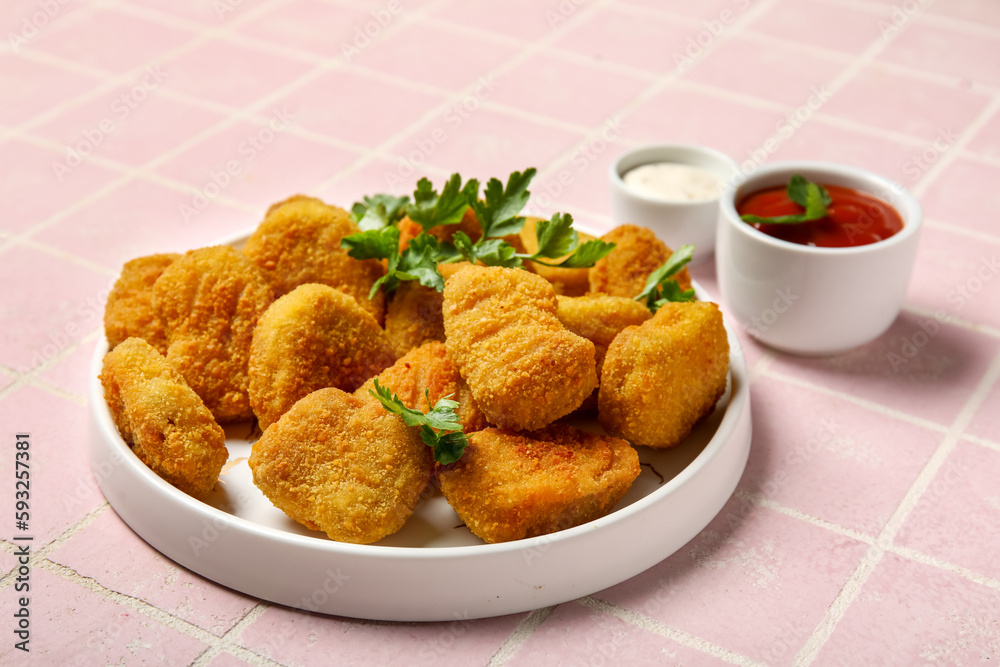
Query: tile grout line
{"points": [[852, 587], [519, 636], [227, 644], [656, 627]]}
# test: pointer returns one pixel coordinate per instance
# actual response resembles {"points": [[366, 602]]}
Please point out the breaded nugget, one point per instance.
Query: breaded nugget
{"points": [[210, 300], [428, 368], [161, 418], [343, 465], [637, 254], [129, 311], [413, 316], [508, 486], [299, 242], [660, 378], [523, 367], [570, 282], [409, 230], [313, 337], [599, 318]]}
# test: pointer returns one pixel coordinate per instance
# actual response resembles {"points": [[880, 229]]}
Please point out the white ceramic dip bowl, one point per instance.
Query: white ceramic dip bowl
{"points": [[675, 221], [812, 300]]}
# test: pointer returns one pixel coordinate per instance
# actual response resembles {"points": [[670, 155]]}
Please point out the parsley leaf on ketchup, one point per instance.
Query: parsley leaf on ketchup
{"points": [[811, 196], [439, 427]]}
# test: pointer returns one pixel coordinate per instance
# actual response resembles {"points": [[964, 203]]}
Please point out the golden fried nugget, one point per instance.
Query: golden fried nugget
{"points": [[508, 486], [210, 300], [161, 418], [570, 282], [299, 242], [313, 337], [129, 311], [413, 316], [599, 318], [427, 368], [661, 377], [343, 465], [523, 367], [637, 254], [409, 230]]}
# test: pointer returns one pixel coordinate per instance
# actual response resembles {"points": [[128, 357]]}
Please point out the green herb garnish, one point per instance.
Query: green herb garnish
{"points": [[498, 215], [811, 196], [439, 427], [661, 286]]}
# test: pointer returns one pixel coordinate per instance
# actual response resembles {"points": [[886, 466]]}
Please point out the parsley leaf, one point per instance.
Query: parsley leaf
{"points": [[429, 209], [661, 286], [557, 238], [811, 196], [498, 214], [439, 427], [418, 262], [378, 211]]}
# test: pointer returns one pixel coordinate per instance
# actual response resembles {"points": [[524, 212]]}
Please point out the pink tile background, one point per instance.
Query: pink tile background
{"points": [[863, 530]]}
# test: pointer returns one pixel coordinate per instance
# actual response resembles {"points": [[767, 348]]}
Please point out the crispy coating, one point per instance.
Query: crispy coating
{"points": [[299, 242], [210, 300], [414, 317], [343, 465], [428, 368], [569, 282], [508, 486], [129, 311], [313, 337], [409, 230], [637, 254], [161, 418], [599, 318], [524, 368], [660, 378]]}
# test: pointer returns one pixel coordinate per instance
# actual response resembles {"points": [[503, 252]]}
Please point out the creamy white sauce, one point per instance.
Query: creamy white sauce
{"points": [[672, 181]]}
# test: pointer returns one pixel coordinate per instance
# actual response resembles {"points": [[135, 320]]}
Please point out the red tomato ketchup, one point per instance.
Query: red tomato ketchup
{"points": [[854, 218]]}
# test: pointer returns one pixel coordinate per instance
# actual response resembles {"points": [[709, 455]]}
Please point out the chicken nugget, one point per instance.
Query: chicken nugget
{"points": [[343, 465], [129, 311], [570, 282], [523, 367], [413, 316], [508, 486], [161, 418], [427, 371], [660, 378], [599, 318], [469, 225], [299, 242], [313, 337], [637, 254], [210, 300]]}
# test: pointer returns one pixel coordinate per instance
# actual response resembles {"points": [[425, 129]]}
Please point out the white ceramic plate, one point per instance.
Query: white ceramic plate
{"points": [[434, 569]]}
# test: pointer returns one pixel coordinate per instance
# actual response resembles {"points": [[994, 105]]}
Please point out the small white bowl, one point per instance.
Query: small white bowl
{"points": [[676, 223], [811, 300]]}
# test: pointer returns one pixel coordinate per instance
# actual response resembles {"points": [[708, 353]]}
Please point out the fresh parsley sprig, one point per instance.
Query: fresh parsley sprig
{"points": [[430, 209], [418, 262], [661, 286], [811, 196], [439, 427], [379, 211]]}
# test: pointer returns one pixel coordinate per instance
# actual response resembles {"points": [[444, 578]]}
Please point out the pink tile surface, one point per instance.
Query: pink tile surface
{"points": [[111, 41], [730, 585], [139, 571], [107, 629], [852, 467], [907, 423], [955, 518], [956, 619]]}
